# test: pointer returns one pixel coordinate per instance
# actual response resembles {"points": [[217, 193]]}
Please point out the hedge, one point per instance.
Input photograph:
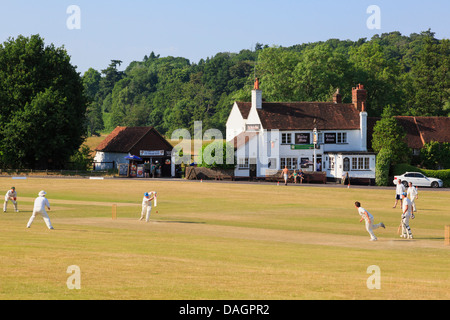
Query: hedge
{"points": [[444, 175], [382, 167]]}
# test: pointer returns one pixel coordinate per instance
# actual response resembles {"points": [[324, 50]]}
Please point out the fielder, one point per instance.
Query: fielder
{"points": [[365, 215], [11, 195], [413, 194], [147, 205], [39, 208], [399, 189], [406, 215]]}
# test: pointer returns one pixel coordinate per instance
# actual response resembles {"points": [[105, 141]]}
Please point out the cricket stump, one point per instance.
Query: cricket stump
{"points": [[447, 235], [114, 211]]}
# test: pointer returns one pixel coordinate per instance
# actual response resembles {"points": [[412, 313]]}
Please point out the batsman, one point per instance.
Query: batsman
{"points": [[147, 205], [11, 195]]}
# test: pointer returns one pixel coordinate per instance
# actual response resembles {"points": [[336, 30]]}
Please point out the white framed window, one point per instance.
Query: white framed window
{"points": [[286, 138], [243, 163], [331, 162], [341, 137], [290, 163], [360, 163]]}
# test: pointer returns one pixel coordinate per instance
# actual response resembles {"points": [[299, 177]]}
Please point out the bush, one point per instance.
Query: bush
{"points": [[225, 161], [382, 167], [435, 155], [444, 175], [82, 159]]}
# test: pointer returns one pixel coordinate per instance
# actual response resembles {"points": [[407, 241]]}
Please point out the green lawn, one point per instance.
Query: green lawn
{"points": [[219, 241]]}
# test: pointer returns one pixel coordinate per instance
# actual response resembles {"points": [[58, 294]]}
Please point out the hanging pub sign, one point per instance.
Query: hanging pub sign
{"points": [[330, 138], [302, 138], [252, 127]]}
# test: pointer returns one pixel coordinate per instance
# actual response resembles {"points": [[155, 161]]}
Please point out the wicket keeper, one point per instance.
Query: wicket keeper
{"points": [[11, 195]]}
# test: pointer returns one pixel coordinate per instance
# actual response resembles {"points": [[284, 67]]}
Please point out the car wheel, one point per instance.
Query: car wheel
{"points": [[405, 183], [434, 184]]}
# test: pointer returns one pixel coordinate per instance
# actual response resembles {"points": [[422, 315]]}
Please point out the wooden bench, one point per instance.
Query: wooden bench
{"points": [[224, 177], [319, 176]]}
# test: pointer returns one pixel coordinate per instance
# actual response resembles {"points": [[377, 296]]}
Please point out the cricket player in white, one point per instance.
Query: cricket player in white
{"points": [[406, 215], [368, 218], [39, 208], [399, 189], [11, 195], [147, 205], [413, 194]]}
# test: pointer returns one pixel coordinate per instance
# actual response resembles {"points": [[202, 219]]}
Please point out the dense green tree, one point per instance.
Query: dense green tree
{"points": [[430, 76], [380, 75], [91, 83], [435, 155], [390, 136], [42, 114], [169, 92]]}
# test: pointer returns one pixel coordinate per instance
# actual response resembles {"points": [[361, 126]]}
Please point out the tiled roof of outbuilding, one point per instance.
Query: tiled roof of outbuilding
{"points": [[124, 139]]}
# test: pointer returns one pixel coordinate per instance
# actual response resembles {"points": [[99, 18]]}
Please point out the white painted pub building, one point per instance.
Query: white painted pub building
{"points": [[312, 136]]}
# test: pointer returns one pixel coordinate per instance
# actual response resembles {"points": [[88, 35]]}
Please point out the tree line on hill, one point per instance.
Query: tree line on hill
{"points": [[47, 108], [410, 74]]}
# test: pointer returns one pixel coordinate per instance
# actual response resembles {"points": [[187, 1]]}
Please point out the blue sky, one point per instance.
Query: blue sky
{"points": [[196, 29]]}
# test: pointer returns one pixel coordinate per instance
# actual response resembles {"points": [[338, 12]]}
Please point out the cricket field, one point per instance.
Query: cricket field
{"points": [[219, 240]]}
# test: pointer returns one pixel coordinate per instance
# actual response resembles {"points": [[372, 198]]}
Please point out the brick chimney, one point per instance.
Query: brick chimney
{"points": [[337, 98], [359, 97], [256, 95]]}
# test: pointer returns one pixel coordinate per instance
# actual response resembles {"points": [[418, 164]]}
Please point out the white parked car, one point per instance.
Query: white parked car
{"points": [[418, 180]]}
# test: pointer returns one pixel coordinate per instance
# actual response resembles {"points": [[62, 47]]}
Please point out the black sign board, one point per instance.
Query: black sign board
{"points": [[330, 137], [302, 138]]}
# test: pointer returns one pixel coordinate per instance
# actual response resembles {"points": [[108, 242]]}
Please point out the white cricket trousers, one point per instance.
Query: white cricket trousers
{"points": [[44, 216], [370, 227], [146, 210], [413, 203], [5, 205], [406, 230]]}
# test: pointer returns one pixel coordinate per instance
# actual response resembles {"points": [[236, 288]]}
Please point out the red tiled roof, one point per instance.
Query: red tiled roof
{"points": [[244, 108], [412, 133], [419, 130], [307, 115], [126, 139], [434, 128]]}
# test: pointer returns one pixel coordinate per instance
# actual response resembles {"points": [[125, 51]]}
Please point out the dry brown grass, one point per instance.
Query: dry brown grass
{"points": [[219, 241]]}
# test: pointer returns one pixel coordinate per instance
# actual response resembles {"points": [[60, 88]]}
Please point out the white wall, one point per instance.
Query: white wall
{"points": [[235, 123], [109, 157]]}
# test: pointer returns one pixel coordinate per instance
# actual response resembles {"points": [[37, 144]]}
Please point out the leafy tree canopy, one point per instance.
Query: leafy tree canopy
{"points": [[42, 114]]}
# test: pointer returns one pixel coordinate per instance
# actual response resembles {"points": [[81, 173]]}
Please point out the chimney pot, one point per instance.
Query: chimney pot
{"points": [[256, 86], [359, 97]]}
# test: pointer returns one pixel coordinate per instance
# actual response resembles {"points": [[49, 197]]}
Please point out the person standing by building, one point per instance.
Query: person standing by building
{"points": [[285, 174], [369, 219], [399, 189], [413, 194], [40, 203], [11, 195], [147, 205], [146, 169], [406, 215]]}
